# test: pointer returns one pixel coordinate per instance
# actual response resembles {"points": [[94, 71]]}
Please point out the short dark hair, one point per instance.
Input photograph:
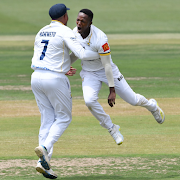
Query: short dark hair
{"points": [[88, 12]]}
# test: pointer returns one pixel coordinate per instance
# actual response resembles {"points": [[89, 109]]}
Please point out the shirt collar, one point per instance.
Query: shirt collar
{"points": [[55, 21], [90, 35]]}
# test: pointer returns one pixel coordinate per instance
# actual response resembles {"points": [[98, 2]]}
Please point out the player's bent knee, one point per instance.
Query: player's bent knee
{"points": [[89, 103], [134, 103]]}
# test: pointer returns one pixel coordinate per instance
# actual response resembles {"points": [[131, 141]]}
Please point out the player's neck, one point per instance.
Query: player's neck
{"points": [[85, 33]]}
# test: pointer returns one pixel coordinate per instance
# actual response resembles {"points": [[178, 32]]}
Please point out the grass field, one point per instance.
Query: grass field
{"points": [[115, 16], [145, 41]]}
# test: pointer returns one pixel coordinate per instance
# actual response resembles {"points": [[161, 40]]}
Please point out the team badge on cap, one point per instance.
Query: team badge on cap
{"points": [[105, 47]]}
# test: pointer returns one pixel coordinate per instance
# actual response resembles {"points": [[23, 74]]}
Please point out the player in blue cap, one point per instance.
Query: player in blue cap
{"points": [[51, 62]]}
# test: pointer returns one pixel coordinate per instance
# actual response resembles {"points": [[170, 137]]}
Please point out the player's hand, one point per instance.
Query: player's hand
{"points": [[71, 72], [111, 97]]}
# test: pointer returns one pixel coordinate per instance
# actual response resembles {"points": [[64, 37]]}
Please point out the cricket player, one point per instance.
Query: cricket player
{"points": [[102, 69], [51, 87]]}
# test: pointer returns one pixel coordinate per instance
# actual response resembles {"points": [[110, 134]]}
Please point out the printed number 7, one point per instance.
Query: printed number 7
{"points": [[45, 48]]}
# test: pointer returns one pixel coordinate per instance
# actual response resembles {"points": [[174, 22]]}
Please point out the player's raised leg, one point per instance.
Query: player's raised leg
{"points": [[62, 105], [91, 88], [115, 133], [127, 94], [158, 113]]}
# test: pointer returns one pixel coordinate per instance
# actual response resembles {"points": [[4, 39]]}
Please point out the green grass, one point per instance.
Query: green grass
{"points": [[150, 151], [135, 173], [115, 16], [157, 64], [151, 67], [142, 136]]}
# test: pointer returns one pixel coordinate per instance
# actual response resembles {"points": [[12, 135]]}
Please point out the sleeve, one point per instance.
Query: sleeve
{"points": [[104, 52], [77, 49], [73, 58], [106, 62], [103, 46]]}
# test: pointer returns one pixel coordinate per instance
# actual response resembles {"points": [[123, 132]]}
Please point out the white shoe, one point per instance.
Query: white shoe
{"points": [[158, 114], [46, 173], [43, 155], [115, 133]]}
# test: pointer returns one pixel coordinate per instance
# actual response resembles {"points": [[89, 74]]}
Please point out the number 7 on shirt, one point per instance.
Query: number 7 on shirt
{"points": [[45, 48]]}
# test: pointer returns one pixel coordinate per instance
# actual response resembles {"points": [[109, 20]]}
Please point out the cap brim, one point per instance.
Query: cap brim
{"points": [[67, 8]]}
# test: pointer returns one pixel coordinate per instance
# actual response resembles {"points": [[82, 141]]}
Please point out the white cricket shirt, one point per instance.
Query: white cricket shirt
{"points": [[96, 41], [52, 45]]}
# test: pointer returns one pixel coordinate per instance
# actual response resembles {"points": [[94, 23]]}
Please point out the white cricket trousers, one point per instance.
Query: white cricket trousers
{"points": [[91, 85], [52, 92]]}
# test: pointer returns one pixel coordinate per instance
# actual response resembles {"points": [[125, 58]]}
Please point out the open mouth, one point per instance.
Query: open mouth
{"points": [[79, 28]]}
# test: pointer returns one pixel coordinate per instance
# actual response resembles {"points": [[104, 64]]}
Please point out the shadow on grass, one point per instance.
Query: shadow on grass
{"points": [[97, 177], [113, 177], [105, 177]]}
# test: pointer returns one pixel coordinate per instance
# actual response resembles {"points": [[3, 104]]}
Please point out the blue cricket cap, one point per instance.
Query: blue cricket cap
{"points": [[57, 11]]}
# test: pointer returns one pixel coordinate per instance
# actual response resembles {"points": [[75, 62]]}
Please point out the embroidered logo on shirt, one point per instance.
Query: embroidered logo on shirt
{"points": [[105, 47], [73, 38]]}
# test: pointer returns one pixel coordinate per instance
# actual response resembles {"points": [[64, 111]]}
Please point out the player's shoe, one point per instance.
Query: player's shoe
{"points": [[43, 155], [46, 173], [115, 133], [158, 114]]}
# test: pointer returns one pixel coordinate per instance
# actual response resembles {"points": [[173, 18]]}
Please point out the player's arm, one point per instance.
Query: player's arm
{"points": [[106, 62], [82, 53], [77, 49], [104, 52], [73, 57]]}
